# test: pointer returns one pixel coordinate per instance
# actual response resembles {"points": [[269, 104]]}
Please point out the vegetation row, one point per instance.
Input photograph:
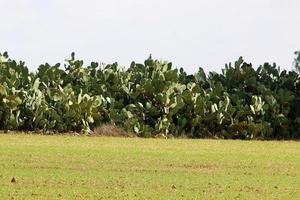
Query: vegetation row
{"points": [[151, 98]]}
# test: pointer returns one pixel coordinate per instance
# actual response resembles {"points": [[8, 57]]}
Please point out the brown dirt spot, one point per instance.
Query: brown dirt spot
{"points": [[13, 180], [111, 130]]}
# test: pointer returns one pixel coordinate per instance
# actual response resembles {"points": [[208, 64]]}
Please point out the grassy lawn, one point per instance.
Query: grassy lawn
{"points": [[77, 167]]}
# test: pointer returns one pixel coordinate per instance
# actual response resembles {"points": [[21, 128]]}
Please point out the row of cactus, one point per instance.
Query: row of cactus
{"points": [[151, 98]]}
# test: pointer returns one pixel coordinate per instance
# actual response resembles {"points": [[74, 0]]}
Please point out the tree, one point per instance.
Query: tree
{"points": [[297, 61]]}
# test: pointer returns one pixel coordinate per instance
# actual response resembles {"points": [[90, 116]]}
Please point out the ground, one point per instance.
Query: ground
{"points": [[81, 167]]}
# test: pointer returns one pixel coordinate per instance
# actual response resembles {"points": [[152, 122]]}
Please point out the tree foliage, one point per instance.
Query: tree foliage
{"points": [[297, 61]]}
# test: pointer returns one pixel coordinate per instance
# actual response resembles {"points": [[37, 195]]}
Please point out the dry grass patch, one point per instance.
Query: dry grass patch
{"points": [[112, 131]]}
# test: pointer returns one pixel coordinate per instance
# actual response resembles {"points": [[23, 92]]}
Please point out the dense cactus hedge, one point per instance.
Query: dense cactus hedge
{"points": [[151, 98]]}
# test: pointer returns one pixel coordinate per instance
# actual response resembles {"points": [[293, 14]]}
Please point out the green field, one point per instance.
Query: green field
{"points": [[78, 167]]}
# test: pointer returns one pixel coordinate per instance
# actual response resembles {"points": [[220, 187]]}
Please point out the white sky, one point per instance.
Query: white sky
{"points": [[190, 33]]}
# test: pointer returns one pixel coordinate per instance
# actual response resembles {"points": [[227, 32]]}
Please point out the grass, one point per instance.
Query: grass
{"points": [[77, 167]]}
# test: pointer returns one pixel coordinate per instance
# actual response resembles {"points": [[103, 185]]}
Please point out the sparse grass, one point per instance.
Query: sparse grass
{"points": [[78, 167]]}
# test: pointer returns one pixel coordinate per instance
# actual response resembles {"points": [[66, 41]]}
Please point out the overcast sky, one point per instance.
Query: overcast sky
{"points": [[190, 33]]}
